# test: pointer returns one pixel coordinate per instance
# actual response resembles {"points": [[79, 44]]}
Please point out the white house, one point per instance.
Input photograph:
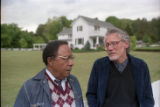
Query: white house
{"points": [[85, 29], [66, 35]]}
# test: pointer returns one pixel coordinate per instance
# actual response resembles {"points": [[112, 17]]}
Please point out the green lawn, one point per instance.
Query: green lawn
{"points": [[18, 66]]}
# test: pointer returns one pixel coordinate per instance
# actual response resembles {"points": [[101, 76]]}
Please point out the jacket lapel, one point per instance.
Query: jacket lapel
{"points": [[71, 82], [136, 74], [103, 78], [43, 81], [45, 86], [74, 89]]}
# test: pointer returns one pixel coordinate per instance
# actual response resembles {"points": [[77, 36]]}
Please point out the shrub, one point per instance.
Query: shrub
{"points": [[87, 46]]}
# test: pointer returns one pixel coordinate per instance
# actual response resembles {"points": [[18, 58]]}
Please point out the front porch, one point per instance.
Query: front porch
{"points": [[96, 41]]}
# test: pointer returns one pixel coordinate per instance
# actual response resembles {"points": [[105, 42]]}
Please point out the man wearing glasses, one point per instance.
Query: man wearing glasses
{"points": [[54, 86], [119, 79]]}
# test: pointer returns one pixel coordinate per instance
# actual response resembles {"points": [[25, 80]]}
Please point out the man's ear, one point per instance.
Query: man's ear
{"points": [[126, 44], [49, 60]]}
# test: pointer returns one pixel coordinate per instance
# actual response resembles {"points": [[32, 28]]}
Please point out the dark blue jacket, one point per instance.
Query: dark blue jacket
{"points": [[97, 84], [35, 92]]}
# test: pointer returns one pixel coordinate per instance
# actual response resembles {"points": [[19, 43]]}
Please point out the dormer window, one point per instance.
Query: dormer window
{"points": [[97, 28], [79, 28]]}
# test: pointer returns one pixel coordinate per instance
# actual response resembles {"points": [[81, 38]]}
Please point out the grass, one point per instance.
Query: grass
{"points": [[19, 66], [153, 49]]}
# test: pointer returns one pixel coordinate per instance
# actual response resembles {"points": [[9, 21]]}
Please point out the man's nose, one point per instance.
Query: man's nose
{"points": [[71, 63]]}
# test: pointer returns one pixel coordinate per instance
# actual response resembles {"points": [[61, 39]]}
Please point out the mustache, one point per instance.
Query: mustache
{"points": [[111, 52]]}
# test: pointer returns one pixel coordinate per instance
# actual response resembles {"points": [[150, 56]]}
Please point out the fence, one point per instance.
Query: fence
{"points": [[17, 49]]}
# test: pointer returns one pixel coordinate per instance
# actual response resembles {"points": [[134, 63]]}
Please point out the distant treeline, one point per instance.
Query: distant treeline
{"points": [[13, 36]]}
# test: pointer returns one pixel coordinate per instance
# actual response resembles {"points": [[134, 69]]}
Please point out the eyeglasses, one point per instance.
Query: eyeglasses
{"points": [[113, 43], [66, 58]]}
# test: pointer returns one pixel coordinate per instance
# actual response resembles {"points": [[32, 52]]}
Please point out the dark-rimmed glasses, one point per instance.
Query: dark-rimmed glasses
{"points": [[113, 43]]}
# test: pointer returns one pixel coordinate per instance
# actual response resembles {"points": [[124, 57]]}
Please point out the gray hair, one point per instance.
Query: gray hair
{"points": [[123, 35]]}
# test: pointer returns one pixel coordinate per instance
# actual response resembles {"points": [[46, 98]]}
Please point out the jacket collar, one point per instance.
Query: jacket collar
{"points": [[40, 75], [44, 83], [104, 76]]}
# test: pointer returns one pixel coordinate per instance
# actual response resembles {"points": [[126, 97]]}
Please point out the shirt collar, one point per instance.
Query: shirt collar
{"points": [[52, 76], [121, 66]]}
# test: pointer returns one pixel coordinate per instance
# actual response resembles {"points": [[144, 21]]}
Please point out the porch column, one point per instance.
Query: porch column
{"points": [[97, 41]]}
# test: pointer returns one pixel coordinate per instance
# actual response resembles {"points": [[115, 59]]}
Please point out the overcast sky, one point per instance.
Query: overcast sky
{"points": [[28, 14]]}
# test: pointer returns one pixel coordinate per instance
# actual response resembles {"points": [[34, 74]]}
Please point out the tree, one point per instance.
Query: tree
{"points": [[41, 32], [23, 43], [52, 27], [65, 22], [26, 40], [129, 30], [114, 20], [133, 42], [5, 40], [154, 29], [141, 28], [14, 37], [11, 34], [147, 40]]}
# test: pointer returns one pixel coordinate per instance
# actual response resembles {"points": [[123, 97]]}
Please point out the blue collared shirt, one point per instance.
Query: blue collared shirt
{"points": [[121, 66]]}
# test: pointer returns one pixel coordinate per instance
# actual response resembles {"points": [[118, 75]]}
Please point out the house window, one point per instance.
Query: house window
{"points": [[79, 28], [80, 41], [97, 28], [94, 42], [70, 36], [101, 41]]}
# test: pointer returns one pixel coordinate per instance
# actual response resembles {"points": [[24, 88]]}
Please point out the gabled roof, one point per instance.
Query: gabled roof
{"points": [[66, 31], [95, 21]]}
